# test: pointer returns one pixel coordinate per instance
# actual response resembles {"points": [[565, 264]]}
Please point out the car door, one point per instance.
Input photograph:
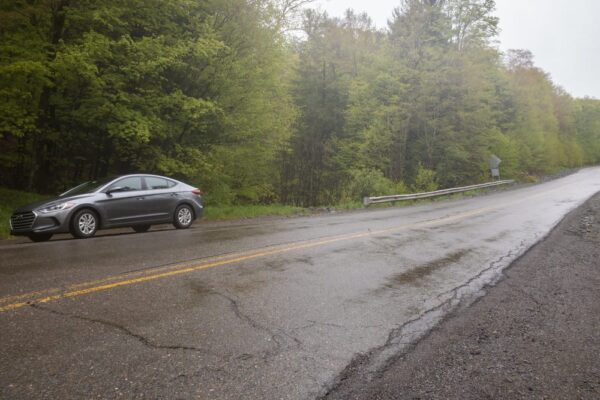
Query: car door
{"points": [[126, 205], [160, 200]]}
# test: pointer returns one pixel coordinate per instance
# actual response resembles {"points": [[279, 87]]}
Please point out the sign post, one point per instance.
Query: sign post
{"points": [[494, 163]]}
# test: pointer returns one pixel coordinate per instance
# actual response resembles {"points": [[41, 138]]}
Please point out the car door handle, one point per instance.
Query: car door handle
{"points": [[140, 198]]}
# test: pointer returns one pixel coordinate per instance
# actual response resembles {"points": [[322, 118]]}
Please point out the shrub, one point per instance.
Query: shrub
{"points": [[371, 182], [425, 180]]}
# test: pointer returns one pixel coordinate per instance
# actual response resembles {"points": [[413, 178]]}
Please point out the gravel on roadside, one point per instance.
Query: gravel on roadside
{"points": [[535, 335]]}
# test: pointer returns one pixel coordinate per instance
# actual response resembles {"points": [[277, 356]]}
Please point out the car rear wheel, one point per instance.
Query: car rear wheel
{"points": [[141, 228], [84, 224], [184, 216], [40, 237]]}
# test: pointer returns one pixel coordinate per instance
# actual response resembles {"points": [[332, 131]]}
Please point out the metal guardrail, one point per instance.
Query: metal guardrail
{"points": [[367, 201]]}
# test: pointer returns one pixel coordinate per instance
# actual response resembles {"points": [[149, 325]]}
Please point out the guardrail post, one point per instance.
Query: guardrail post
{"points": [[366, 201]]}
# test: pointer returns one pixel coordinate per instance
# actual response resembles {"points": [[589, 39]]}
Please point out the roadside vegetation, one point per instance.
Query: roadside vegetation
{"points": [[235, 212], [221, 95]]}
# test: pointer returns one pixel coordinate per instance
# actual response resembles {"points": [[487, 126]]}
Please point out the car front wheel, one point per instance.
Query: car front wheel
{"points": [[84, 224], [184, 216]]}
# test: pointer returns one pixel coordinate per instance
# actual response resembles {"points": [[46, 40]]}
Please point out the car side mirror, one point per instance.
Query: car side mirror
{"points": [[116, 189]]}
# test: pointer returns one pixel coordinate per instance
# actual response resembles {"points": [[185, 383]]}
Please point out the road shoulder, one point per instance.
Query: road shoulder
{"points": [[536, 334]]}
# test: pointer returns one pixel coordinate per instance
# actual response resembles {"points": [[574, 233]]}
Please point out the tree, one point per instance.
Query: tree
{"points": [[332, 55], [473, 22]]}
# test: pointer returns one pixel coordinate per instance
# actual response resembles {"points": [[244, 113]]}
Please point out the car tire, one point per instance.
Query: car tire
{"points": [[184, 217], [84, 224], [141, 228], [40, 237]]}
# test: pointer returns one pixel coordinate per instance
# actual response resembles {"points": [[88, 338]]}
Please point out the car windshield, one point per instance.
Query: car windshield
{"points": [[87, 187]]}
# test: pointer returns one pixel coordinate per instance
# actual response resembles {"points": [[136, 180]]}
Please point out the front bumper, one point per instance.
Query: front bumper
{"points": [[30, 222], [198, 209]]}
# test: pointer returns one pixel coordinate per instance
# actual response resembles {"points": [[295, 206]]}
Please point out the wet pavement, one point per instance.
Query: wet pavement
{"points": [[273, 308], [534, 335]]}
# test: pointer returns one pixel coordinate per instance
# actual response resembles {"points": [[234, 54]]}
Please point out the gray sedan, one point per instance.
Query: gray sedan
{"points": [[136, 201]]}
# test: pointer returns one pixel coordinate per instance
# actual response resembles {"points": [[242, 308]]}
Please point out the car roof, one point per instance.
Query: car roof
{"points": [[138, 175], [144, 175]]}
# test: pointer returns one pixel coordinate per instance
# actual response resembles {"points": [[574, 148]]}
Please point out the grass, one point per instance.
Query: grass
{"points": [[226, 213], [11, 200]]}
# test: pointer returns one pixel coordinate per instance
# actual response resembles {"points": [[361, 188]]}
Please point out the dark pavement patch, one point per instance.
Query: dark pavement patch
{"points": [[413, 276]]}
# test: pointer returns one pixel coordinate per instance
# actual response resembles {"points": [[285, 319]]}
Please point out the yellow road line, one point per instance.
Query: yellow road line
{"points": [[224, 259]]}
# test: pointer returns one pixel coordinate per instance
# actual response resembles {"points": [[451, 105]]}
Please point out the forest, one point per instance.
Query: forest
{"points": [[273, 102]]}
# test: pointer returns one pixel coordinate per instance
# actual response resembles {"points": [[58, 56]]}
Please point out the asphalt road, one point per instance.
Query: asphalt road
{"points": [[261, 309]]}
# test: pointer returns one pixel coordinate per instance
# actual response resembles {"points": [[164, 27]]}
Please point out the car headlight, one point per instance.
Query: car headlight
{"points": [[56, 207]]}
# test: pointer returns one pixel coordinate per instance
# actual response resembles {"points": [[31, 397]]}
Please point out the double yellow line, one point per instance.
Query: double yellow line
{"points": [[11, 303]]}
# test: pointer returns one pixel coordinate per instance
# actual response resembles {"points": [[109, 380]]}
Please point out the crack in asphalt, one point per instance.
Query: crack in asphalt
{"points": [[276, 335], [492, 266], [140, 338], [312, 324]]}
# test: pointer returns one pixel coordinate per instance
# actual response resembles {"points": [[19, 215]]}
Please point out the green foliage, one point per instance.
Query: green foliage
{"points": [[370, 182], [174, 87], [425, 180], [233, 212], [587, 121]]}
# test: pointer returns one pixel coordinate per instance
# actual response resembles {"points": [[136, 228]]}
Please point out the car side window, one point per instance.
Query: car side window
{"points": [[154, 183], [129, 184]]}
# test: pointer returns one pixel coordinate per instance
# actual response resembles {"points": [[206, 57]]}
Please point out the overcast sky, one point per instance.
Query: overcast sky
{"points": [[564, 35]]}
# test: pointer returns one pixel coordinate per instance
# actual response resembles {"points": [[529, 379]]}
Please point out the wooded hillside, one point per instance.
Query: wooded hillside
{"points": [[226, 95]]}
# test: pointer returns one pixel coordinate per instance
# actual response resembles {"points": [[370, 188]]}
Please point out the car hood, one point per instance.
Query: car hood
{"points": [[51, 202]]}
